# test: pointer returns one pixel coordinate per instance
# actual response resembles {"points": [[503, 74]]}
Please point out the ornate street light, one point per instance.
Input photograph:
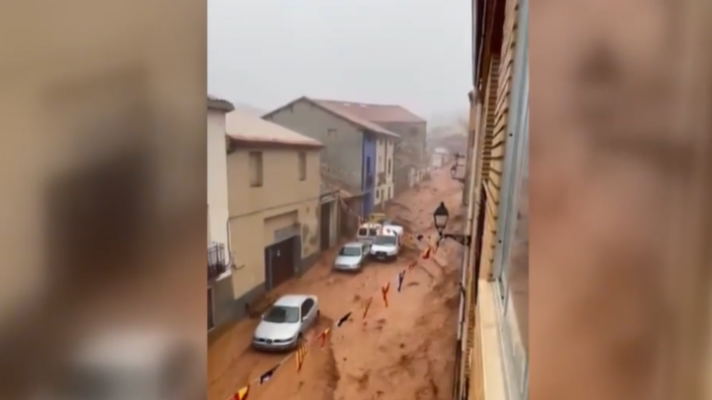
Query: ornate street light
{"points": [[440, 217]]}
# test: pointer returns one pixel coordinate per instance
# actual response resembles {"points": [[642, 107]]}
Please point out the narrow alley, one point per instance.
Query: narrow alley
{"points": [[402, 352]]}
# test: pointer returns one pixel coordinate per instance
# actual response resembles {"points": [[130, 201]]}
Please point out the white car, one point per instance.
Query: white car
{"points": [[386, 246], [284, 324]]}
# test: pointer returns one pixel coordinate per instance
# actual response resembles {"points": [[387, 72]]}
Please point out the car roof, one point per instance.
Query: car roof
{"points": [[370, 225], [353, 244], [291, 300]]}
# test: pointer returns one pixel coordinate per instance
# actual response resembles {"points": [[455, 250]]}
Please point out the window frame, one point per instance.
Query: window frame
{"points": [[515, 359], [304, 304], [302, 165], [258, 180]]}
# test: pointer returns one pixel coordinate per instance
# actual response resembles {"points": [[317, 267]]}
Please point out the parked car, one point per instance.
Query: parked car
{"points": [[386, 246], [367, 232], [127, 365], [283, 326], [352, 256]]}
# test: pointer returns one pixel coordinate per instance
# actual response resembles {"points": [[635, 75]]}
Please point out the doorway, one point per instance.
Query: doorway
{"points": [[280, 262], [325, 226], [211, 320]]}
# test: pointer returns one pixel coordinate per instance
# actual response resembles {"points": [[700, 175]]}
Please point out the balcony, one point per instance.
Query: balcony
{"points": [[217, 264]]}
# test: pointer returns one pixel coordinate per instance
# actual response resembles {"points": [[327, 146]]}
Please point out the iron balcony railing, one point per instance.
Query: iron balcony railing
{"points": [[217, 263]]}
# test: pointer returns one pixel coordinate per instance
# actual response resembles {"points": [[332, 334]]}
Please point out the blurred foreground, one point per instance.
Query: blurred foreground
{"points": [[102, 168]]}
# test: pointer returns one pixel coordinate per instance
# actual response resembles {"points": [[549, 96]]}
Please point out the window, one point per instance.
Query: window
{"points": [[511, 266], [380, 160], [307, 307], [255, 167], [282, 314], [378, 195], [330, 133], [413, 131], [302, 166], [389, 167], [389, 193], [350, 251]]}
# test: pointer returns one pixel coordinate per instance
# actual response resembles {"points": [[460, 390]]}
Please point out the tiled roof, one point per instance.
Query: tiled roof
{"points": [[216, 103], [344, 114], [247, 128], [373, 112]]}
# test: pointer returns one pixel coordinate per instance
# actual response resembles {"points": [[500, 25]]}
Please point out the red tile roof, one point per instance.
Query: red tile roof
{"points": [[373, 112], [341, 113]]}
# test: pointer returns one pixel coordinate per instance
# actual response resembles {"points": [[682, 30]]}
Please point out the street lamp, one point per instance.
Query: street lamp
{"points": [[440, 217]]}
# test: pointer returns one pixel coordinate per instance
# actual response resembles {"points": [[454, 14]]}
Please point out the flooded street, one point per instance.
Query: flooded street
{"points": [[401, 352]]}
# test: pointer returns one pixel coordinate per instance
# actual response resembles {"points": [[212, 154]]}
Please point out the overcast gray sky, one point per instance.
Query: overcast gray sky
{"points": [[410, 52]]}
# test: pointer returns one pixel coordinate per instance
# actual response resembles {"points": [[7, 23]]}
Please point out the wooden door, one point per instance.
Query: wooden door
{"points": [[279, 262]]}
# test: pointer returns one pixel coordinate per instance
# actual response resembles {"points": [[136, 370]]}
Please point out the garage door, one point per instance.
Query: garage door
{"points": [[280, 262]]}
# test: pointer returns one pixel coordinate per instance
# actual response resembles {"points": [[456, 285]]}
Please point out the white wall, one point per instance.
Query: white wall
{"points": [[217, 179], [384, 152]]}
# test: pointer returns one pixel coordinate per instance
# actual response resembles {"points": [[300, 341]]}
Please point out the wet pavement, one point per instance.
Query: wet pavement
{"points": [[401, 352]]}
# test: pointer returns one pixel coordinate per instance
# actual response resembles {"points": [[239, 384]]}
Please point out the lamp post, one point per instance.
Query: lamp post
{"points": [[440, 217]]}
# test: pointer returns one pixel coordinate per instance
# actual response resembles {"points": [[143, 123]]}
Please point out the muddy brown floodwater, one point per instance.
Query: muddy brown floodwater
{"points": [[402, 352]]}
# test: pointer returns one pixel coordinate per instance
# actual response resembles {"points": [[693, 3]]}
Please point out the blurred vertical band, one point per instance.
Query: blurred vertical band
{"points": [[103, 173]]}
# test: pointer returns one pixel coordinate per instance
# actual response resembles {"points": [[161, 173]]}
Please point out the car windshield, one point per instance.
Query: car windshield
{"points": [[385, 240], [367, 232], [282, 314], [350, 251]]}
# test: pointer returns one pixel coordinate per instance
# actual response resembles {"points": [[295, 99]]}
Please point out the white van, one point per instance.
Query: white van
{"points": [[386, 246], [367, 232]]}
